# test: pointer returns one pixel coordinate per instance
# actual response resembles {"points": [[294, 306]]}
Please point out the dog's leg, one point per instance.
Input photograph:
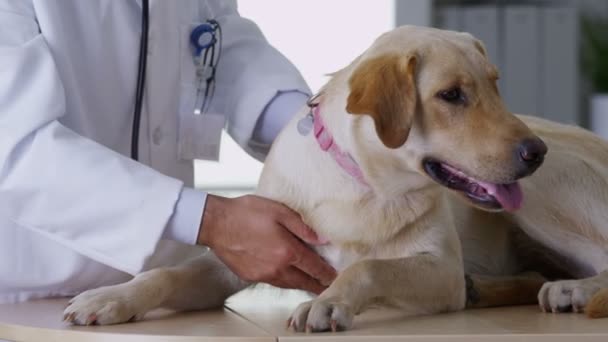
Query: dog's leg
{"points": [[589, 295], [597, 307], [490, 291], [421, 284], [202, 283]]}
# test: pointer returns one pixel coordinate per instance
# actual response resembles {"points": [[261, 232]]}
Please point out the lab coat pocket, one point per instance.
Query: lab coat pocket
{"points": [[200, 121], [199, 134]]}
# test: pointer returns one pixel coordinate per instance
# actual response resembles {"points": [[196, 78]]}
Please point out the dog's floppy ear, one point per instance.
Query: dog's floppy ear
{"points": [[480, 47], [384, 88], [477, 43]]}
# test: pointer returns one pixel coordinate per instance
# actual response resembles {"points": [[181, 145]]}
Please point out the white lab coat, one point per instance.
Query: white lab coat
{"points": [[75, 212]]}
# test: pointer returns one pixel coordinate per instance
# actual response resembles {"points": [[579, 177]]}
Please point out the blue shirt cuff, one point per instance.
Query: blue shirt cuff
{"points": [[277, 114], [185, 223]]}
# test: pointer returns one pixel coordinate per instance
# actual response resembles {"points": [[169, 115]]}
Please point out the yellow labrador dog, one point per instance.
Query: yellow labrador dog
{"points": [[403, 150]]}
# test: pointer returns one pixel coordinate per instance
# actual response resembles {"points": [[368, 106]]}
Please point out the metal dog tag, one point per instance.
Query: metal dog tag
{"points": [[305, 124]]}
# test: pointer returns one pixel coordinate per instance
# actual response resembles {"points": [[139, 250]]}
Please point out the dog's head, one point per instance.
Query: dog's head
{"points": [[433, 99]]}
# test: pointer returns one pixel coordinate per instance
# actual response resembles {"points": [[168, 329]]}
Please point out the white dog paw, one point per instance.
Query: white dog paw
{"points": [[103, 306], [327, 314], [567, 295]]}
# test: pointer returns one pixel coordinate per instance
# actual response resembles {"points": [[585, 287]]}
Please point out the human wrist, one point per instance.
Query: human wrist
{"points": [[214, 216]]}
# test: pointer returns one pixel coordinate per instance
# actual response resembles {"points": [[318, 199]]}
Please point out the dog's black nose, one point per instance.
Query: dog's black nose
{"points": [[531, 152]]}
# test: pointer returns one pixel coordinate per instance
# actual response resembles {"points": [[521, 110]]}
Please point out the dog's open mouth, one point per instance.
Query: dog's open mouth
{"points": [[489, 195]]}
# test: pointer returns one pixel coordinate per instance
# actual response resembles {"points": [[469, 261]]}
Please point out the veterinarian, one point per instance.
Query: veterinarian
{"points": [[88, 195]]}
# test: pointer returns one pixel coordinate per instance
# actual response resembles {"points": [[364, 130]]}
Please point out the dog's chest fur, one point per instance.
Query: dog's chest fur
{"points": [[339, 257]]}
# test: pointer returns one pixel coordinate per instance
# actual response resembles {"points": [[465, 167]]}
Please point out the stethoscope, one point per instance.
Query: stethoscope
{"points": [[203, 41]]}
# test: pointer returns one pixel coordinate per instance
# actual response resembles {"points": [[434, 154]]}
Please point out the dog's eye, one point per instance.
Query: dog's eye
{"points": [[453, 96]]}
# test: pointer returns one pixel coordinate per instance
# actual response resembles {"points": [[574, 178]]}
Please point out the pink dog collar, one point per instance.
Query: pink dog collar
{"points": [[326, 142]]}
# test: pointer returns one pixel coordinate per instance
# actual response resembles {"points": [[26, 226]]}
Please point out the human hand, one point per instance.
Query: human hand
{"points": [[261, 241]]}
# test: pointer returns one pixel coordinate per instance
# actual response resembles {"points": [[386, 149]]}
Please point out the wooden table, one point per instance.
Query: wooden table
{"points": [[41, 321], [260, 315]]}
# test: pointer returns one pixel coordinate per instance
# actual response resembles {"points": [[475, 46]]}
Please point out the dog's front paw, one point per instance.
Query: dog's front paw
{"points": [[566, 295], [322, 314], [103, 306]]}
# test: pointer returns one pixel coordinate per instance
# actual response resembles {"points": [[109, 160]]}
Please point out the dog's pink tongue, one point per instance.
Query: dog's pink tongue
{"points": [[509, 196]]}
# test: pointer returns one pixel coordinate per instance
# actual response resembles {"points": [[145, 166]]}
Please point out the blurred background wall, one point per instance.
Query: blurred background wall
{"points": [[550, 67]]}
